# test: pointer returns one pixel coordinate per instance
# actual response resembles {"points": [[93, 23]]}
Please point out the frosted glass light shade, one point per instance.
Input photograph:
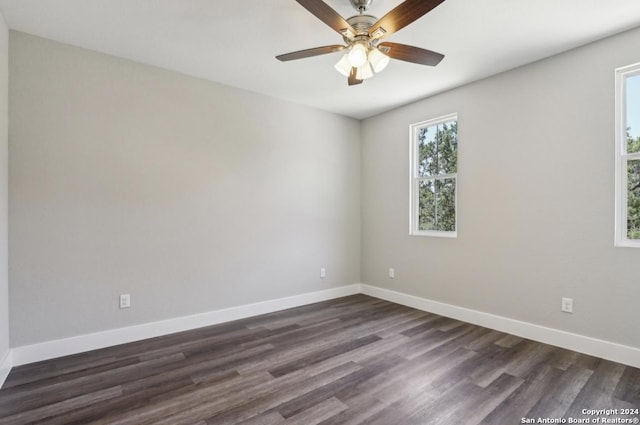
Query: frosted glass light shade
{"points": [[343, 66], [357, 55], [378, 60], [364, 72]]}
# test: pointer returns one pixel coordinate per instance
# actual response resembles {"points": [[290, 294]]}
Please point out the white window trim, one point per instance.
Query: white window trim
{"points": [[622, 157], [413, 180]]}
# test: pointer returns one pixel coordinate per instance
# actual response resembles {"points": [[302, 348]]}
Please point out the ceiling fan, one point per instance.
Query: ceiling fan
{"points": [[365, 55]]}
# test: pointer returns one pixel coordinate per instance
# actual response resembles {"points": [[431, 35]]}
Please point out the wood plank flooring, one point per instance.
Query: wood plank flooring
{"points": [[353, 360]]}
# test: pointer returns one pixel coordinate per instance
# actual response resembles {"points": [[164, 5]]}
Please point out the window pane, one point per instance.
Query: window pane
{"points": [[427, 148], [446, 204], [437, 205], [633, 199], [438, 149], [427, 206], [447, 137], [633, 113]]}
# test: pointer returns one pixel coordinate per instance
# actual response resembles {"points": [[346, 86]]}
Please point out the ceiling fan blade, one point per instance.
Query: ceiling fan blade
{"points": [[401, 16], [411, 54], [329, 16], [352, 80], [307, 53]]}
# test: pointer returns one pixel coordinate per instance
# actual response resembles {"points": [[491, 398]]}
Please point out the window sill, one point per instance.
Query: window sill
{"points": [[436, 234], [627, 243]]}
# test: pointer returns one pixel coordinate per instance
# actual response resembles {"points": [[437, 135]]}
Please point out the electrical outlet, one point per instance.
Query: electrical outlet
{"points": [[567, 305], [323, 272], [125, 301], [392, 273]]}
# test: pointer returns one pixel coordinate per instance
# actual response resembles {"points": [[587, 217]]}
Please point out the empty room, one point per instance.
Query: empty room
{"points": [[319, 212]]}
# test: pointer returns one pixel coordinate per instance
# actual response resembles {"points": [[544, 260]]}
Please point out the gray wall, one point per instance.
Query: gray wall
{"points": [[536, 198], [193, 196], [4, 121], [189, 195]]}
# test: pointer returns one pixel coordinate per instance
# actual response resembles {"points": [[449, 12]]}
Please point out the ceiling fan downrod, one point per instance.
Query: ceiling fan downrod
{"points": [[361, 5]]}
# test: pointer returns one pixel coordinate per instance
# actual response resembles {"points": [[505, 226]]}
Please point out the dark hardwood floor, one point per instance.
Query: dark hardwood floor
{"points": [[353, 360]]}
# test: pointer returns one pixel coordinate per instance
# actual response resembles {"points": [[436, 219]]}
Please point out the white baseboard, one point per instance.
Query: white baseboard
{"points": [[78, 344], [580, 343], [6, 364]]}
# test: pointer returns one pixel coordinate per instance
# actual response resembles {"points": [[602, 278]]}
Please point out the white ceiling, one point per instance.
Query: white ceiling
{"points": [[234, 42]]}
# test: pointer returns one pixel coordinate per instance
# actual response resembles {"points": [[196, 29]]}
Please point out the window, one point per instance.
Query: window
{"points": [[434, 167], [628, 156]]}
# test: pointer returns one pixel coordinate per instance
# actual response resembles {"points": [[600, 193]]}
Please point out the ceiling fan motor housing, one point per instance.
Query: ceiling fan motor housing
{"points": [[362, 23], [361, 5]]}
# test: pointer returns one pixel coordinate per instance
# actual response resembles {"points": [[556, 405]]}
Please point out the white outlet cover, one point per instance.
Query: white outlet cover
{"points": [[125, 301], [567, 305]]}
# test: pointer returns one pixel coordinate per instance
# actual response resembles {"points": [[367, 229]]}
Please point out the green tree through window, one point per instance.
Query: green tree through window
{"points": [[434, 175], [627, 218], [633, 189]]}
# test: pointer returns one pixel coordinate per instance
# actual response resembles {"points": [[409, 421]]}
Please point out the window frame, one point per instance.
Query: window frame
{"points": [[622, 157], [415, 179]]}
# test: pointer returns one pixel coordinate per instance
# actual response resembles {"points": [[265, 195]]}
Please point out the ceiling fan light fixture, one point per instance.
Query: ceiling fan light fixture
{"points": [[343, 66], [378, 60], [364, 72], [363, 56], [357, 55]]}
